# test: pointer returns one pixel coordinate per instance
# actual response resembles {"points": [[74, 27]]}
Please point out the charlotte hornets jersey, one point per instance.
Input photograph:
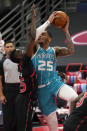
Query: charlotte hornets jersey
{"points": [[44, 62]]}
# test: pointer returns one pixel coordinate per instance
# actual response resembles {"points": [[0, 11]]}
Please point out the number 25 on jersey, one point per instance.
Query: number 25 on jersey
{"points": [[45, 65]]}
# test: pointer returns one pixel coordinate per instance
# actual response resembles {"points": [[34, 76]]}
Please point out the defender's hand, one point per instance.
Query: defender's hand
{"points": [[33, 10]]}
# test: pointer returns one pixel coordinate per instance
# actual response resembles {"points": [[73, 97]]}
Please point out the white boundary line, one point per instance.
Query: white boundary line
{"points": [[79, 34]]}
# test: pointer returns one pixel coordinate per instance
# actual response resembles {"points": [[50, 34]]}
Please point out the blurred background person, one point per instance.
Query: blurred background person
{"points": [[9, 88]]}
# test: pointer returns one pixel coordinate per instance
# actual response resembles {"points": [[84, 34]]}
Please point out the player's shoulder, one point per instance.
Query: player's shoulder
{"points": [[57, 49]]}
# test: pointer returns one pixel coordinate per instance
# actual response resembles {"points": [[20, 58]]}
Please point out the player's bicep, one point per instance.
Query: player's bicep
{"points": [[61, 51]]}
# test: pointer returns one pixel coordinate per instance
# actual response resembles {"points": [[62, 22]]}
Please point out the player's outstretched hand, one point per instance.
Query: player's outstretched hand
{"points": [[33, 10]]}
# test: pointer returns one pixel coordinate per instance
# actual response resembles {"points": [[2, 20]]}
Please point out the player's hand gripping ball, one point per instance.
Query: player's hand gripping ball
{"points": [[60, 19]]}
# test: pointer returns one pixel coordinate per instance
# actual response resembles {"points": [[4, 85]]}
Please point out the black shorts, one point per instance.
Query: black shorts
{"points": [[24, 112], [75, 124]]}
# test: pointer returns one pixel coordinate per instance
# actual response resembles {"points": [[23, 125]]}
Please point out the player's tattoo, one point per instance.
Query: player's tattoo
{"points": [[64, 51], [70, 45]]}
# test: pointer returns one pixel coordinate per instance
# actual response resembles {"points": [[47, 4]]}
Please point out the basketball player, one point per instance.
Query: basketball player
{"points": [[49, 83], [9, 88], [77, 121], [28, 85]]}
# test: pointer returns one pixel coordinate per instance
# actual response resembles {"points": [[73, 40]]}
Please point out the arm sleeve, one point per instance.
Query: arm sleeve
{"points": [[40, 29]]}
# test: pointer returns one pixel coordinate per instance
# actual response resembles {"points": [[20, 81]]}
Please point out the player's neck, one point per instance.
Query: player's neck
{"points": [[45, 47]]}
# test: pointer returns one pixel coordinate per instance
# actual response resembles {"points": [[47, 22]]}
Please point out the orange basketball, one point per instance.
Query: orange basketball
{"points": [[60, 19]]}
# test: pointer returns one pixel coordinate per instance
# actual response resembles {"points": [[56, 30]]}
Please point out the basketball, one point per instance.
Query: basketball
{"points": [[60, 19]]}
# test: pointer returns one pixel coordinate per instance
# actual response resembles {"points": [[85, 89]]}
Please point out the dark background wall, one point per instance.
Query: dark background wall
{"points": [[7, 5]]}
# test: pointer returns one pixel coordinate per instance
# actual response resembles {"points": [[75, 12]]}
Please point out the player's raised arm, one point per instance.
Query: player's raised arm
{"points": [[32, 33], [43, 27], [69, 50]]}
